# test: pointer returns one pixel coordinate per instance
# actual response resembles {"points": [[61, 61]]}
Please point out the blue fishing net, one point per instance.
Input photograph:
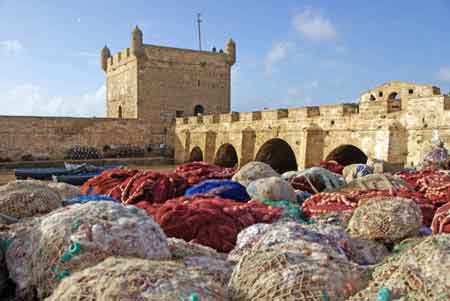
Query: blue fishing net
{"points": [[223, 188]]}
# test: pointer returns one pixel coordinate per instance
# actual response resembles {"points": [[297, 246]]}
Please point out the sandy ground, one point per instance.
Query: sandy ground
{"points": [[8, 175]]}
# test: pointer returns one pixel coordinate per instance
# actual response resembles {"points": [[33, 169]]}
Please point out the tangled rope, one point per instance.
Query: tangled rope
{"points": [[209, 220], [196, 172]]}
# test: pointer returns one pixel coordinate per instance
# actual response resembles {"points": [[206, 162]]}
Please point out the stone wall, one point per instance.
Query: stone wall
{"points": [[51, 136], [400, 136]]}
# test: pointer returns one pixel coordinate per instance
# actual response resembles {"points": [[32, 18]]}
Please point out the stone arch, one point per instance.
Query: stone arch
{"points": [[196, 154], [347, 154], [277, 153], [226, 156], [199, 109]]}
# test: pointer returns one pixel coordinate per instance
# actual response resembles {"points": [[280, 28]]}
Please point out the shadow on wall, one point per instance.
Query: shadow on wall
{"points": [[278, 154], [226, 156], [347, 154]]}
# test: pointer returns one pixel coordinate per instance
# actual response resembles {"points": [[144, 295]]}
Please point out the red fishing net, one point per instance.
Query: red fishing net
{"points": [[149, 186], [441, 220], [196, 172], [106, 181], [328, 202], [132, 186], [208, 220], [332, 166]]}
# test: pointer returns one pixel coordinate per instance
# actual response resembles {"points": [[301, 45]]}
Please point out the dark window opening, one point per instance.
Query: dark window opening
{"points": [[411, 91], [394, 96], [332, 122], [380, 94], [372, 98], [198, 83], [120, 112], [199, 109]]}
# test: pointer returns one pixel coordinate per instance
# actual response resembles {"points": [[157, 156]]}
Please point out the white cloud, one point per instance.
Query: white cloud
{"points": [[32, 100], [277, 53], [444, 74], [10, 47], [313, 25]]}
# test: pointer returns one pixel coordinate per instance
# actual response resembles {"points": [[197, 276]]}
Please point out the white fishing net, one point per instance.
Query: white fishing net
{"points": [[389, 219], [137, 279]]}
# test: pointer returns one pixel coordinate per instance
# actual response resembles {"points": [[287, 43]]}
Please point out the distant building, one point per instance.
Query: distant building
{"points": [[157, 83]]}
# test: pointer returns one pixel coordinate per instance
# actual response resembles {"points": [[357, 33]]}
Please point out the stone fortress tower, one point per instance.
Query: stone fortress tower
{"points": [[158, 83]]}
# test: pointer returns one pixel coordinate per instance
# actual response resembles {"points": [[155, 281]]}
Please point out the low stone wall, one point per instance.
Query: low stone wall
{"points": [[52, 136]]}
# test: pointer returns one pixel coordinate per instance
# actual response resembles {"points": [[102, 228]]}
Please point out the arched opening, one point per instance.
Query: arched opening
{"points": [[196, 155], [347, 154], [199, 109], [372, 98], [278, 154], [394, 96], [226, 156], [120, 112]]}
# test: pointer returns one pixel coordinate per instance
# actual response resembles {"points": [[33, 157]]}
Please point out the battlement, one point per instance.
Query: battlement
{"points": [[120, 58]]}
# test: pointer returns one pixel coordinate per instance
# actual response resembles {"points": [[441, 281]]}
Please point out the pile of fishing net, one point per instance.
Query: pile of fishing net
{"points": [[377, 181], [209, 220], [332, 202], [196, 172], [138, 279], [436, 158], [316, 179], [130, 187], [273, 188], [418, 272], [262, 236], [207, 259], [441, 220], [107, 181], [332, 166], [291, 211], [82, 153], [82, 199], [226, 189], [63, 189], [301, 269], [355, 171], [389, 219], [21, 199], [253, 171], [76, 237], [149, 186], [180, 249]]}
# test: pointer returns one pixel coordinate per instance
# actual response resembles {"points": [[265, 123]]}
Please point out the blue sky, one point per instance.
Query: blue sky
{"points": [[291, 54]]}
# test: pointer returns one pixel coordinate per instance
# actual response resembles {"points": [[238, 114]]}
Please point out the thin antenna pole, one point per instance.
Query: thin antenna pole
{"points": [[199, 32]]}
